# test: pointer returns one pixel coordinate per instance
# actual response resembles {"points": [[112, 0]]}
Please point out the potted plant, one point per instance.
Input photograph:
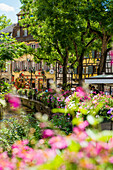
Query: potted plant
{"points": [[30, 94], [19, 92], [25, 92]]}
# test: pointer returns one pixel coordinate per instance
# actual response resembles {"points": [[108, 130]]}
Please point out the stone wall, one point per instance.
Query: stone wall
{"points": [[107, 125], [36, 105]]}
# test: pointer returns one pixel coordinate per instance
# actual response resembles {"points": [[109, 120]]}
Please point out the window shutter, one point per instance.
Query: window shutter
{"points": [[86, 70], [25, 32], [18, 33], [83, 71], [13, 66], [37, 66], [21, 65]]}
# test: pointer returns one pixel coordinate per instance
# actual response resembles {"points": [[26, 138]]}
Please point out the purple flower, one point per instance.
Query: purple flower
{"points": [[109, 112]]}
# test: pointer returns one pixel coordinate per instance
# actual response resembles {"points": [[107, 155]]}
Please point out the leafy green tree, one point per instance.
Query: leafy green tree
{"points": [[9, 49], [4, 22], [61, 31], [99, 14]]}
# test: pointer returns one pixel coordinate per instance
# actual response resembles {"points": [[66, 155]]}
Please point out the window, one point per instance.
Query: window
{"points": [[86, 70], [10, 34], [18, 33], [33, 46], [19, 17], [25, 32], [90, 69], [83, 71], [6, 66]]}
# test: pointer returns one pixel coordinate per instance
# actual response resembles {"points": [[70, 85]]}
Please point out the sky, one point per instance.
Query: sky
{"points": [[10, 8]]}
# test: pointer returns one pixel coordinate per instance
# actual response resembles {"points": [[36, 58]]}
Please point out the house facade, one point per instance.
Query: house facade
{"points": [[24, 72]]}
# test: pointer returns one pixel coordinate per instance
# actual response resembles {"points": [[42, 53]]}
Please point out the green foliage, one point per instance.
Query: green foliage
{"points": [[4, 22], [10, 48], [61, 30], [4, 87], [100, 13], [13, 130], [19, 128], [62, 122], [87, 147], [31, 92], [19, 91]]}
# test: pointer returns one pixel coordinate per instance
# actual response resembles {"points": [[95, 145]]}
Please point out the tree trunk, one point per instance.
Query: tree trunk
{"points": [[65, 71], [80, 69], [0, 81], [103, 55], [102, 64]]}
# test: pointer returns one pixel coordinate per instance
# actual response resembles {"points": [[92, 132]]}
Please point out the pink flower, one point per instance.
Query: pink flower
{"points": [[8, 96], [83, 125], [43, 124], [47, 133], [81, 92], [111, 159], [43, 156], [58, 142], [111, 53], [13, 100]]}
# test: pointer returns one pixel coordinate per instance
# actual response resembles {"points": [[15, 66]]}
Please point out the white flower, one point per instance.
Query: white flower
{"points": [[71, 104], [3, 102]]}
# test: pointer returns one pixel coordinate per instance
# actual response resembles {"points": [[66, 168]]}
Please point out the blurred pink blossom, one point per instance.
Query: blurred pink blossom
{"points": [[13, 100], [47, 133], [58, 142], [81, 92]]}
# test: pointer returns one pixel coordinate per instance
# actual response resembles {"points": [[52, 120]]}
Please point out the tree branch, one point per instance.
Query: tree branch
{"points": [[108, 49], [76, 50], [97, 33], [109, 37], [58, 50], [90, 42], [42, 58]]}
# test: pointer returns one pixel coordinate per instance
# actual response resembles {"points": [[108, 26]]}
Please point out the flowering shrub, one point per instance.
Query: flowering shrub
{"points": [[13, 101], [85, 148], [81, 104], [4, 87], [53, 99], [63, 122]]}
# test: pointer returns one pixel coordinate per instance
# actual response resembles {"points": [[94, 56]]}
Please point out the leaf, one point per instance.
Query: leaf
{"points": [[94, 121], [77, 121], [74, 147], [53, 165], [61, 110], [100, 136]]}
